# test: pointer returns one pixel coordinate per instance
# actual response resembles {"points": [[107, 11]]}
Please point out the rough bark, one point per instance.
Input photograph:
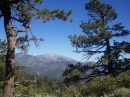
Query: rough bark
{"points": [[8, 90]]}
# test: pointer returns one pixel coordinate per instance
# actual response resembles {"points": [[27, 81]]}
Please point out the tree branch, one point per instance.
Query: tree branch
{"points": [[32, 5], [19, 20], [26, 30], [33, 37], [22, 30]]}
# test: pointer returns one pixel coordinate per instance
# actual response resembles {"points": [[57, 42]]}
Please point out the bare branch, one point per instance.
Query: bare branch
{"points": [[33, 37], [22, 30]]}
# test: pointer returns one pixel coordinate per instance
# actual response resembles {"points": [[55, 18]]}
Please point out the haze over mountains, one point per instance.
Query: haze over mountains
{"points": [[52, 65]]}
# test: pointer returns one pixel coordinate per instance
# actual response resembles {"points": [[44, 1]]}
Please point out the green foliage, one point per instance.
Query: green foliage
{"points": [[106, 86], [2, 63], [72, 73], [97, 37], [30, 84], [49, 95], [71, 92], [122, 92], [3, 46], [23, 12], [98, 86], [34, 84], [124, 80]]}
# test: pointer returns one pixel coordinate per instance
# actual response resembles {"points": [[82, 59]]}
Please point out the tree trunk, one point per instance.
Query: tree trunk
{"points": [[8, 90], [110, 65]]}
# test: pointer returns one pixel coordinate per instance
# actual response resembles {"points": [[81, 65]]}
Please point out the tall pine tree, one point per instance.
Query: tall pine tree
{"points": [[100, 37], [22, 11]]}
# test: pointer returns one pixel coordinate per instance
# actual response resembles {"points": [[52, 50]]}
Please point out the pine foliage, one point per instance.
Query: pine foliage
{"points": [[101, 36], [23, 12]]}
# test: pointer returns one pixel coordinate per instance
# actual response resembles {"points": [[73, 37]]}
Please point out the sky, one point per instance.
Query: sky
{"points": [[55, 32]]}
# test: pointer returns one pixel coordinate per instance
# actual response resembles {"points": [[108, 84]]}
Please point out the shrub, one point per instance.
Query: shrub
{"points": [[124, 80], [122, 92], [49, 95], [98, 86], [71, 92]]}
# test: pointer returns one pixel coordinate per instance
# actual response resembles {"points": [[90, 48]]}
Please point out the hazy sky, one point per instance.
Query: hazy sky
{"points": [[55, 32]]}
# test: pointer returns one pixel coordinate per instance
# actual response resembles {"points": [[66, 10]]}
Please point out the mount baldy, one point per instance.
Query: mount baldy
{"points": [[54, 58], [52, 65]]}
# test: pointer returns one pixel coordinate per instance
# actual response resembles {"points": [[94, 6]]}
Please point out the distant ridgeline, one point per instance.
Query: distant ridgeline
{"points": [[51, 65]]}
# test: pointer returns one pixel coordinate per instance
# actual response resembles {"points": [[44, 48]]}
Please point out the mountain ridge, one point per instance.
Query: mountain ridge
{"points": [[52, 65]]}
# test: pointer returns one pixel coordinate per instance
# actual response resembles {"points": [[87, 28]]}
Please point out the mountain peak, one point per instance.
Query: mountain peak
{"points": [[47, 57], [54, 57], [50, 54]]}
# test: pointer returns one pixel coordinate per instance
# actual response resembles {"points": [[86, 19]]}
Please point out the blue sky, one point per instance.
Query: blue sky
{"points": [[55, 32]]}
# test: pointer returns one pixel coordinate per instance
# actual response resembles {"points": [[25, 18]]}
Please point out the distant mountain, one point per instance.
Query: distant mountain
{"points": [[52, 65], [54, 58]]}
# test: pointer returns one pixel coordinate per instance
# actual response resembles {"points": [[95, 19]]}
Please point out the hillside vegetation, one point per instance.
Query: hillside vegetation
{"points": [[32, 85]]}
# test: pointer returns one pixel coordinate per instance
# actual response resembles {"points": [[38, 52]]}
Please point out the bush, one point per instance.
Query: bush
{"points": [[49, 95], [122, 92], [124, 80], [98, 86], [71, 92]]}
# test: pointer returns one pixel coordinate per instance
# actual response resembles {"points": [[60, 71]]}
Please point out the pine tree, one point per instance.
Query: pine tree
{"points": [[98, 37], [22, 11]]}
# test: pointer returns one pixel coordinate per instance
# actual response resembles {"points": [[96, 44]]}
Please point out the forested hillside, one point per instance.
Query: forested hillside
{"points": [[34, 84], [31, 84]]}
